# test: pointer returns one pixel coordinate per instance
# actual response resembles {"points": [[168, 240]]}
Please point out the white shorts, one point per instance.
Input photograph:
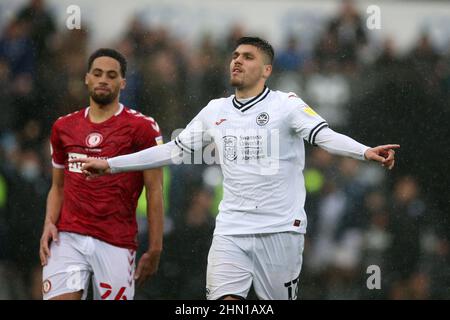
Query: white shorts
{"points": [[76, 257], [271, 261]]}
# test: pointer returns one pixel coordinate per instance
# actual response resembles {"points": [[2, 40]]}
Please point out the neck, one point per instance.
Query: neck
{"points": [[99, 113], [244, 93]]}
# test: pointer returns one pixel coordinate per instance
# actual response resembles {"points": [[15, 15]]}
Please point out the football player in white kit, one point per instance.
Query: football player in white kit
{"points": [[259, 133]]}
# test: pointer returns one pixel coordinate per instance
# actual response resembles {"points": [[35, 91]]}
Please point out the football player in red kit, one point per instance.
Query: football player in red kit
{"points": [[90, 230]]}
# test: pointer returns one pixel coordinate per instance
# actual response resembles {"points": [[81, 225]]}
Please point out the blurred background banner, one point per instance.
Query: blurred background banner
{"points": [[190, 20], [378, 71]]}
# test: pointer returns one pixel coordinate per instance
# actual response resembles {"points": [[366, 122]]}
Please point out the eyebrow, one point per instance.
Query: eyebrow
{"points": [[107, 71], [244, 53]]}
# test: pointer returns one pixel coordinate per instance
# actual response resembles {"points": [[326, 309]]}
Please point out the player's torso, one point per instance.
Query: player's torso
{"points": [[259, 156], [82, 138], [252, 139], [257, 149], [103, 207]]}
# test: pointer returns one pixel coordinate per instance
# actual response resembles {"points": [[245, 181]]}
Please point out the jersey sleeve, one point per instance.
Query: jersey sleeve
{"points": [[340, 144], [56, 148], [148, 134], [304, 120], [194, 136]]}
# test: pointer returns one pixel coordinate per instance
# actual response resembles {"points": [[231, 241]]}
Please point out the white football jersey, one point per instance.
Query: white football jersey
{"points": [[262, 156]]}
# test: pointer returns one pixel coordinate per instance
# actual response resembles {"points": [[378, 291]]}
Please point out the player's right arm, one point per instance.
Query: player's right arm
{"points": [[150, 158], [54, 203], [189, 140]]}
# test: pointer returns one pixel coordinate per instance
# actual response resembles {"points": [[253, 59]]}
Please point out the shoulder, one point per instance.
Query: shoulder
{"points": [[69, 119], [288, 97], [287, 100], [140, 120], [217, 104], [137, 116], [214, 107]]}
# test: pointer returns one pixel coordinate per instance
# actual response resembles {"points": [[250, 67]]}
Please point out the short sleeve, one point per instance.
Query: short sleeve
{"points": [[304, 120], [56, 148], [148, 134]]}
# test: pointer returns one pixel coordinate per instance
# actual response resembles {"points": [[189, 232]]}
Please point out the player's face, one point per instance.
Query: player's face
{"points": [[248, 67], [104, 80]]}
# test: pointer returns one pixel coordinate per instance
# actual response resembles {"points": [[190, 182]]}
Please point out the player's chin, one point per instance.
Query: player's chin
{"points": [[235, 81], [103, 99]]}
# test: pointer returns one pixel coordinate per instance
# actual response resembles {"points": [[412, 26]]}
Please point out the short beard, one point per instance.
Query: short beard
{"points": [[103, 100], [236, 84]]}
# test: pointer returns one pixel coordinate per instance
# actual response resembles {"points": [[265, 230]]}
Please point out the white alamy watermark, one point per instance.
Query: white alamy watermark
{"points": [[373, 21], [73, 21], [374, 280], [258, 147]]}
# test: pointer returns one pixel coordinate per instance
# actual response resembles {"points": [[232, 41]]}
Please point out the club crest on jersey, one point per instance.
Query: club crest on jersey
{"points": [[262, 118], [230, 147], [46, 286], [94, 139]]}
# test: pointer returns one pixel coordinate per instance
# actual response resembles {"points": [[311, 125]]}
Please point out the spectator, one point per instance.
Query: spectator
{"points": [[41, 27]]}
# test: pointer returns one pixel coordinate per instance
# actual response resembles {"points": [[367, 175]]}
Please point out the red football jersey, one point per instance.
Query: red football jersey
{"points": [[105, 207]]}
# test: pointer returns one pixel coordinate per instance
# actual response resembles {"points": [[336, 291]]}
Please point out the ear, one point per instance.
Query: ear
{"points": [[123, 84], [267, 71], [86, 78]]}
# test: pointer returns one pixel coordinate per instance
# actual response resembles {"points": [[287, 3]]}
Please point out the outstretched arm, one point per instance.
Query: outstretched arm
{"points": [[189, 140], [150, 158], [340, 144]]}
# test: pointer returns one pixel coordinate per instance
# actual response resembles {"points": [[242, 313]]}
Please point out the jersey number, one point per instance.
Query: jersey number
{"points": [[292, 288], [119, 295]]}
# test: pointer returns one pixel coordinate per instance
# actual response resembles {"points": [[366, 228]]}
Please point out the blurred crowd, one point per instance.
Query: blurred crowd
{"points": [[359, 215]]}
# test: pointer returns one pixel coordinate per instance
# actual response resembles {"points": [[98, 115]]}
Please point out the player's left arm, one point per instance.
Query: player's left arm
{"points": [[340, 144], [149, 262], [314, 129]]}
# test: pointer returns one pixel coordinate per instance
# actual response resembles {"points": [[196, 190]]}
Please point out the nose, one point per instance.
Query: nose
{"points": [[238, 60], [103, 80]]}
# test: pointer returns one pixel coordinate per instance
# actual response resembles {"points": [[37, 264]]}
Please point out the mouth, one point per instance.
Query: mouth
{"points": [[236, 71], [102, 90]]}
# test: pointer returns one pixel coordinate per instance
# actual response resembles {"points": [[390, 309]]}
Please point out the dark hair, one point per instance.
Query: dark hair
{"points": [[261, 44], [106, 52]]}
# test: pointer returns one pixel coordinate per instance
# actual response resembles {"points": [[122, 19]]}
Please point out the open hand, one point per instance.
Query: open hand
{"points": [[49, 234], [147, 266]]}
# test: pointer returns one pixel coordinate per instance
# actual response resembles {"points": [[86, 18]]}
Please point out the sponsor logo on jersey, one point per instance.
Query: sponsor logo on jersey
{"points": [[310, 111], [159, 140], [262, 118], [92, 149], [75, 166], [297, 223], [94, 139], [220, 121], [230, 147], [46, 286]]}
